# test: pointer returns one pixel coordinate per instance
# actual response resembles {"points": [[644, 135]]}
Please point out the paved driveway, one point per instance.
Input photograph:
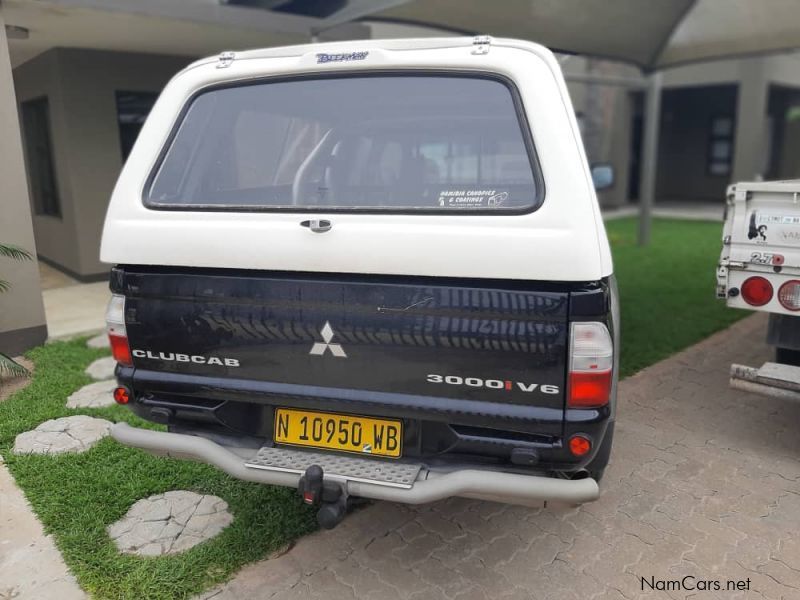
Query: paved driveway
{"points": [[704, 482]]}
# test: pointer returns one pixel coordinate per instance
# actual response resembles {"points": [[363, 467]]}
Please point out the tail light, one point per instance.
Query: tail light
{"points": [[591, 365], [789, 295], [756, 291], [117, 335]]}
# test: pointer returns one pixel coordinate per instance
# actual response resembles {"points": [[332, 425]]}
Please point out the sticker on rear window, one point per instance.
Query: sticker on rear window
{"points": [[472, 198]]}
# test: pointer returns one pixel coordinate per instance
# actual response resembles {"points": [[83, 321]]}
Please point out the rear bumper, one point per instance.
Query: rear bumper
{"points": [[772, 379], [431, 485], [435, 429]]}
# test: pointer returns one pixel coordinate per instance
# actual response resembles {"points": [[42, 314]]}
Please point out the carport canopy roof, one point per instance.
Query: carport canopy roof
{"points": [[649, 33]]}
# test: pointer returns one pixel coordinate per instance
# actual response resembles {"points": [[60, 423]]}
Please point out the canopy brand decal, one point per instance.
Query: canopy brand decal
{"points": [[193, 358], [324, 57]]}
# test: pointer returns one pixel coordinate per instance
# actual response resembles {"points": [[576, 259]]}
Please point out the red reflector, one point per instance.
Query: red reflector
{"points": [[308, 497], [588, 390], [121, 395], [120, 350], [579, 445], [756, 291]]}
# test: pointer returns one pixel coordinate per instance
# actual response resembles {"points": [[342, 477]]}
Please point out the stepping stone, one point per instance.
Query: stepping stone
{"points": [[67, 434], [98, 341], [170, 523], [102, 368], [94, 395]]}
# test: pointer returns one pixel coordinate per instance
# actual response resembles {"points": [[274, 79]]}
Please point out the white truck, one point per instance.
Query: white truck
{"points": [[759, 269]]}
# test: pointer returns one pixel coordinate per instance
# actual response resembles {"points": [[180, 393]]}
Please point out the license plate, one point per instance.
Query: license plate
{"points": [[348, 433]]}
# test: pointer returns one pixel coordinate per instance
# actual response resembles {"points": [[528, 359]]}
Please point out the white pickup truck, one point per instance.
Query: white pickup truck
{"points": [[759, 269], [373, 269]]}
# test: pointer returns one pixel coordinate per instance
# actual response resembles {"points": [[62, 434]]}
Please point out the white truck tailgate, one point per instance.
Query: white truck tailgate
{"points": [[761, 238]]}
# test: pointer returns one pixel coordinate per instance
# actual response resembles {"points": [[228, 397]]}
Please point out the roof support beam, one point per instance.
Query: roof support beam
{"points": [[652, 120], [222, 13], [203, 12], [633, 83]]}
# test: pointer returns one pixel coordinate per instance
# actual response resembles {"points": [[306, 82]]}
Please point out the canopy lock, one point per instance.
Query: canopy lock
{"points": [[225, 59], [481, 44]]}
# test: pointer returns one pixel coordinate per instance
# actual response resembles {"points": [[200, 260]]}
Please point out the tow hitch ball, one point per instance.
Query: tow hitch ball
{"points": [[327, 495]]}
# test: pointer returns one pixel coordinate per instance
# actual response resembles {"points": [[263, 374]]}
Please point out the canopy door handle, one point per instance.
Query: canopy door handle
{"points": [[317, 225]]}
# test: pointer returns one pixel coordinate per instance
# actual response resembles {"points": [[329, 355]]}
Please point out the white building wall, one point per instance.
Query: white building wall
{"points": [[22, 321], [80, 86]]}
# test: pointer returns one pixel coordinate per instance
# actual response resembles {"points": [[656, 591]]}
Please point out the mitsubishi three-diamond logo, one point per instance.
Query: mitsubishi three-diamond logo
{"points": [[319, 348]]}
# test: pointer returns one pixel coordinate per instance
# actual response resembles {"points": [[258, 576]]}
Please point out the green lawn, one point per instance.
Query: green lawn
{"points": [[77, 496], [667, 289], [668, 303]]}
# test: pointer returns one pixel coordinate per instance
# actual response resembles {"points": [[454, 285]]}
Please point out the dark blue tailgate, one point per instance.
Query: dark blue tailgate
{"points": [[462, 340]]}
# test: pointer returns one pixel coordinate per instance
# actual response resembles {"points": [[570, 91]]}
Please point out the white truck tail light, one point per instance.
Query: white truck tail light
{"points": [[591, 365], [789, 295], [115, 327]]}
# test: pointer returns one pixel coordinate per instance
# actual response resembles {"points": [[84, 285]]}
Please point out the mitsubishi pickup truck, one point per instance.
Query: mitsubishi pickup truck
{"points": [[371, 269]]}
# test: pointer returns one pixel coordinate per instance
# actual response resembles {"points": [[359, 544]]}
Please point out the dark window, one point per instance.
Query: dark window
{"points": [[720, 148], [132, 110], [377, 143], [39, 157]]}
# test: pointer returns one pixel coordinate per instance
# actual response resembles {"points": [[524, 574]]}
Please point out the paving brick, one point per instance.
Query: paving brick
{"points": [[460, 549], [323, 584], [470, 521], [422, 548], [449, 581], [436, 523], [783, 575], [789, 553], [502, 549]]}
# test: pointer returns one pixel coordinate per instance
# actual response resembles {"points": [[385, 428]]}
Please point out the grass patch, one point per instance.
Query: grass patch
{"points": [[77, 496], [667, 288], [668, 303]]}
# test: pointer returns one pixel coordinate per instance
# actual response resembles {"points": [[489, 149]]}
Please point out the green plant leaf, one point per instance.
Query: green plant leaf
{"points": [[8, 366], [14, 252]]}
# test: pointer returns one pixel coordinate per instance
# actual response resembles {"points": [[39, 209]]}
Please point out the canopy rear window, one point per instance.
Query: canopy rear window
{"points": [[403, 143]]}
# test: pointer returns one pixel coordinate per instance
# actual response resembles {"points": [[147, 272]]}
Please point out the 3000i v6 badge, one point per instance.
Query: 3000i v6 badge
{"points": [[371, 269]]}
